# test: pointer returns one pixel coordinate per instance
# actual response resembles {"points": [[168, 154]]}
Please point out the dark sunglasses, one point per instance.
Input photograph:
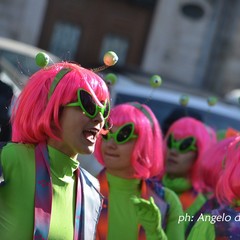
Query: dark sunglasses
{"points": [[182, 146], [88, 105], [124, 134]]}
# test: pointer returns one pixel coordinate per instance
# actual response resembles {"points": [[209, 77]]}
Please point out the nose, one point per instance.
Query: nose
{"points": [[172, 151], [99, 118], [110, 143]]}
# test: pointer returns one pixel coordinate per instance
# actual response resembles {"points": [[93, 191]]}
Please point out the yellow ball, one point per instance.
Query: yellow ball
{"points": [[184, 99], [110, 58], [212, 101]]}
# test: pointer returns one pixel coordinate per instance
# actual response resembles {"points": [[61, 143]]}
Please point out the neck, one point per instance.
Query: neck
{"points": [[121, 173], [60, 146]]}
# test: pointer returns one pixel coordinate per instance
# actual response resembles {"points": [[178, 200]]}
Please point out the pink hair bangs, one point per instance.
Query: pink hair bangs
{"points": [[188, 126], [34, 115], [147, 157], [228, 186]]}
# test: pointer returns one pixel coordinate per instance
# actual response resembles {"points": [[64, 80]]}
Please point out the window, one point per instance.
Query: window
{"points": [[192, 11], [65, 40], [117, 44]]}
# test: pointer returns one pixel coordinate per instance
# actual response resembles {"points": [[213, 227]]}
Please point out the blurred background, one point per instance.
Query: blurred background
{"points": [[191, 42]]}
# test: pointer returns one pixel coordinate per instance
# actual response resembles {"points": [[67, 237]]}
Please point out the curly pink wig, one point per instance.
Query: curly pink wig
{"points": [[34, 115], [204, 135], [211, 166], [228, 186], [147, 157]]}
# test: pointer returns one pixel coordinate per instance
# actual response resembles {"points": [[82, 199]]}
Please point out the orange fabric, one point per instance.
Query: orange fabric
{"points": [[187, 199], [231, 133]]}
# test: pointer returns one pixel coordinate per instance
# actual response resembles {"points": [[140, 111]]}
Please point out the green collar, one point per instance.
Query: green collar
{"points": [[123, 184], [62, 166], [178, 185]]}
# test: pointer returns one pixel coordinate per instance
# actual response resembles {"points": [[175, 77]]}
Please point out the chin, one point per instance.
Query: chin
{"points": [[89, 150]]}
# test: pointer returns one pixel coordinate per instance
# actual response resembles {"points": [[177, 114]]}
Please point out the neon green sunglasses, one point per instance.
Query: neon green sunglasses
{"points": [[182, 146], [124, 134], [88, 105]]}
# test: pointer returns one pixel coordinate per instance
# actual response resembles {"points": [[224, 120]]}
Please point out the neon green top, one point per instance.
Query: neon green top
{"points": [[17, 195], [180, 185], [202, 230], [122, 218]]}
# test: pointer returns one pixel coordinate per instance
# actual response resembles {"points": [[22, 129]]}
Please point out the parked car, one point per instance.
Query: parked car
{"points": [[164, 100], [17, 62]]}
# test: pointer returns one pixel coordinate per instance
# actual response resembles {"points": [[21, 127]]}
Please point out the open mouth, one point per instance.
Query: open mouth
{"points": [[90, 135]]}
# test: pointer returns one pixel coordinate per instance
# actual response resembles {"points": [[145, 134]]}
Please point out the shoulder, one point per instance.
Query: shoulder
{"points": [[16, 156], [173, 201], [203, 228], [16, 151]]}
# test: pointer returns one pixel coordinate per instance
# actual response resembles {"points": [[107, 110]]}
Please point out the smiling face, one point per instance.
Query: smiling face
{"points": [[117, 157], [79, 132]]}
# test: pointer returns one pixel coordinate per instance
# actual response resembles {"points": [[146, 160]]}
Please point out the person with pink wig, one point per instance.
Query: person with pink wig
{"points": [[222, 222], [44, 193], [186, 141], [135, 205], [210, 169]]}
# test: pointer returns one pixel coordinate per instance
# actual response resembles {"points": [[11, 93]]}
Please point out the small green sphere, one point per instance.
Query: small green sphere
{"points": [[110, 79], [110, 58], [212, 101], [42, 59], [184, 99], [155, 81]]}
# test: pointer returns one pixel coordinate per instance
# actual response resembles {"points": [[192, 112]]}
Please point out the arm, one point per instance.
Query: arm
{"points": [[149, 217], [174, 227], [202, 230]]}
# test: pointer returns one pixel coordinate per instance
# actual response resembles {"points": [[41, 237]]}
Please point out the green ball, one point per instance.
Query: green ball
{"points": [[110, 78], [212, 101], [42, 59], [155, 81], [184, 99]]}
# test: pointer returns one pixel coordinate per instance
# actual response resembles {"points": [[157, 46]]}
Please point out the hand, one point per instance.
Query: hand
{"points": [[148, 214]]}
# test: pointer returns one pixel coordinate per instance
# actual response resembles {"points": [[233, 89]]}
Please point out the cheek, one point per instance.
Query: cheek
{"points": [[128, 150], [189, 160]]}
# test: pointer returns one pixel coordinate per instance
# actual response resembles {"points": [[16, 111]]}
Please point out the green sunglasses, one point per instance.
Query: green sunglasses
{"points": [[88, 105], [182, 146], [124, 134]]}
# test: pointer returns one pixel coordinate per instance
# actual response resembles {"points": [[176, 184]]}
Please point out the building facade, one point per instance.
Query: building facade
{"points": [[191, 42]]}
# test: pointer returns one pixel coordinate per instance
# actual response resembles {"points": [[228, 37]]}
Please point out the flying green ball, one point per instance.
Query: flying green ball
{"points": [[212, 101], [42, 59], [110, 58], [184, 99], [155, 81], [110, 79]]}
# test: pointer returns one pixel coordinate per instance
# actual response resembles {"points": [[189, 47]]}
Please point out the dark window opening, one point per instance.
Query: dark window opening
{"points": [[192, 11]]}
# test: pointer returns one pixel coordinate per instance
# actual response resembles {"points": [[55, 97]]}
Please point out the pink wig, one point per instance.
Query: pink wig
{"points": [[34, 116], [211, 165], [147, 157], [205, 137], [228, 186]]}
